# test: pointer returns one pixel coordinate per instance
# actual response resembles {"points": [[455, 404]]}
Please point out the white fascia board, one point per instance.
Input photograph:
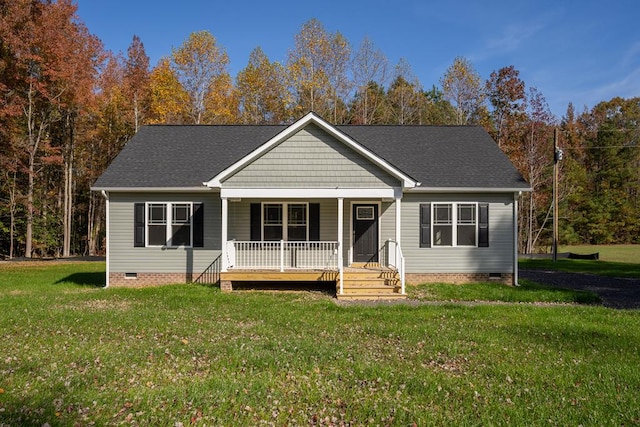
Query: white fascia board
{"points": [[152, 189], [467, 190], [216, 181], [310, 193]]}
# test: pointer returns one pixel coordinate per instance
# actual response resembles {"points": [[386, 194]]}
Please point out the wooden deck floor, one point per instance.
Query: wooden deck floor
{"points": [[364, 282]]}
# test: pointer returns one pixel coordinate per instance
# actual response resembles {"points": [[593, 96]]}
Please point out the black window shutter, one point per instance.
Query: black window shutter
{"points": [[198, 225], [483, 225], [256, 221], [425, 225], [138, 225], [314, 222]]}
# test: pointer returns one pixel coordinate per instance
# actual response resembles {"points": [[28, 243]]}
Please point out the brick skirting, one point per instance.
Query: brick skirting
{"points": [[456, 278], [154, 279], [148, 279]]}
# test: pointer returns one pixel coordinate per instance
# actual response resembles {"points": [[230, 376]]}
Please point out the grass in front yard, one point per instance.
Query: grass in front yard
{"points": [[527, 292], [73, 353], [599, 267]]}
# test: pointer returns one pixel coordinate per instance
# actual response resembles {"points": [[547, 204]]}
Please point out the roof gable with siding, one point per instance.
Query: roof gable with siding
{"points": [[311, 158]]}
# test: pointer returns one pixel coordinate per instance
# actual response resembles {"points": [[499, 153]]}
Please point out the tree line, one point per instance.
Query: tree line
{"points": [[69, 105]]}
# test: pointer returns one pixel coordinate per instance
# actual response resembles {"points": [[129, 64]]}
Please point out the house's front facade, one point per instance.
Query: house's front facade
{"points": [[369, 208]]}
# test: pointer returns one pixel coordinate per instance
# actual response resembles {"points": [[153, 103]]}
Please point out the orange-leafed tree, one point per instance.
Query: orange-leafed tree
{"points": [[506, 93], [136, 81], [169, 100], [52, 55]]}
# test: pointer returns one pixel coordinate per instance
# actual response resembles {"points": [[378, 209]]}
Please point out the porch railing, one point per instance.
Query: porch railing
{"points": [[282, 255], [211, 276], [395, 259]]}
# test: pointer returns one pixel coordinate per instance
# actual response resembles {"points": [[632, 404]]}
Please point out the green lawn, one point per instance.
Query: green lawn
{"points": [[611, 253], [73, 353]]}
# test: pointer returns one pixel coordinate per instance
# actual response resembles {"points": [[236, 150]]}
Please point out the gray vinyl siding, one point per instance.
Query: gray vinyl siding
{"points": [[240, 217], [240, 213], [311, 159], [497, 258], [124, 258], [387, 222]]}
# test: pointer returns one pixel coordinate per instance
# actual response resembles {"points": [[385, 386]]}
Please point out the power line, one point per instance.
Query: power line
{"points": [[600, 147]]}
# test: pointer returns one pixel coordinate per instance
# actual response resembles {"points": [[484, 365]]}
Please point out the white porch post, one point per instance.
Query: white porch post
{"points": [[399, 258], [340, 241], [515, 239], [225, 214], [108, 239], [398, 221]]}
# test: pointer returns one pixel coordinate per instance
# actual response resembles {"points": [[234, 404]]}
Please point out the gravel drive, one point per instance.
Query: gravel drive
{"points": [[615, 292]]}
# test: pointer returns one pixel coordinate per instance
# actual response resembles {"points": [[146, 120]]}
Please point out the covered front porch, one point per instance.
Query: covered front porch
{"points": [[353, 242]]}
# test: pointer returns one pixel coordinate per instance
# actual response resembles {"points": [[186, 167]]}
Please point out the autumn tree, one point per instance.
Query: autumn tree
{"points": [[534, 158], [200, 65], [136, 80], [52, 54], [307, 66], [169, 101], [221, 102], [506, 94], [370, 72], [462, 87], [262, 91], [404, 97], [339, 82]]}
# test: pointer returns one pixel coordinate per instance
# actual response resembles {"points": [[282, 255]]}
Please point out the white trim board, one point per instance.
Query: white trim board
{"points": [[310, 193]]}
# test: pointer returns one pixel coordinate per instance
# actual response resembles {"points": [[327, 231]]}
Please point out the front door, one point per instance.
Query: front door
{"points": [[365, 233]]}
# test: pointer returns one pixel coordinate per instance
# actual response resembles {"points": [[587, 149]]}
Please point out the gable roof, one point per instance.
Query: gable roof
{"points": [[289, 131], [186, 156]]}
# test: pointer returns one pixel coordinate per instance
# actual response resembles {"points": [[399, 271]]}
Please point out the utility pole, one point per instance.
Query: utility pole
{"points": [[557, 156]]}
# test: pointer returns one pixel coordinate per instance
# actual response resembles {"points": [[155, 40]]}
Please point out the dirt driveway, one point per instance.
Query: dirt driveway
{"points": [[615, 292]]}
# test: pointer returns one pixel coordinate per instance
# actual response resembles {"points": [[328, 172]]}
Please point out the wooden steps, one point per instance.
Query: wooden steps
{"points": [[370, 284]]}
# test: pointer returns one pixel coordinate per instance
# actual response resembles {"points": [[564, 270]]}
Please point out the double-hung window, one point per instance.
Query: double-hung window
{"points": [[285, 221], [454, 224], [169, 224]]}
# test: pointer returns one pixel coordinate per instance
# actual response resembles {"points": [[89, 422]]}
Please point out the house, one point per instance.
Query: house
{"points": [[369, 208]]}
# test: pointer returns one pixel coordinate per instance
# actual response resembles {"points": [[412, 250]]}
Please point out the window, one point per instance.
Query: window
{"points": [[297, 222], [181, 224], [454, 224], [157, 224], [272, 225], [466, 224], [169, 224], [365, 213], [284, 221], [442, 225]]}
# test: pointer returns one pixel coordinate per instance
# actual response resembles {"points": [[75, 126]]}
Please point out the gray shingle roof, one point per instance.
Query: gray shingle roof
{"points": [[165, 156]]}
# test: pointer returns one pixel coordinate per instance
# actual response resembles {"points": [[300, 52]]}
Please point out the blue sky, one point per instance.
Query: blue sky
{"points": [[572, 51]]}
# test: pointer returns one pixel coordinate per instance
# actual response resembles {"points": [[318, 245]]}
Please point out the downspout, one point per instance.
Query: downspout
{"points": [[515, 238], [106, 197]]}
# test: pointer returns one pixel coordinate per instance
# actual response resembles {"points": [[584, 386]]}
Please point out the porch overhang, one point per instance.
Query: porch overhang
{"points": [[311, 193]]}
